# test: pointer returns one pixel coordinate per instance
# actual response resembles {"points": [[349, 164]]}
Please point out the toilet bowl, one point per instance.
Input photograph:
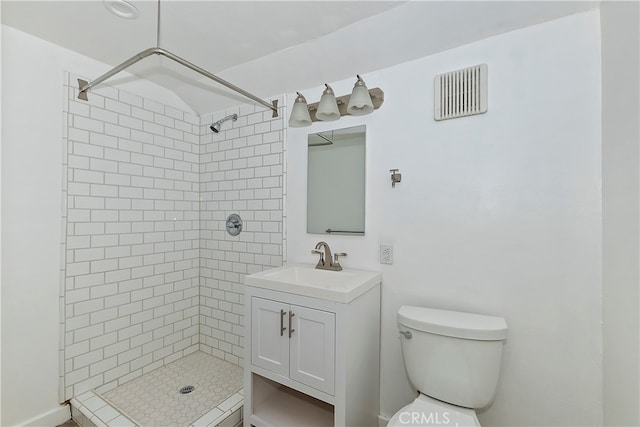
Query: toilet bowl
{"points": [[453, 360]]}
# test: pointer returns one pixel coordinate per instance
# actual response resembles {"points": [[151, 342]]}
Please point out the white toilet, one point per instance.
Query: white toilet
{"points": [[453, 360]]}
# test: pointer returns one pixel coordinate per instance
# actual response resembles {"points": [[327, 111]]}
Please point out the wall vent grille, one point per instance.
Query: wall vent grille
{"points": [[461, 93]]}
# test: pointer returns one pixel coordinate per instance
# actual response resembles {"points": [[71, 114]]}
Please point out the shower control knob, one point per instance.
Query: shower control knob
{"points": [[234, 224]]}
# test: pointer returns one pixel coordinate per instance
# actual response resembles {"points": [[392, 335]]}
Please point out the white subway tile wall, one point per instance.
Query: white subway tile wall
{"points": [[149, 272], [241, 171], [132, 277]]}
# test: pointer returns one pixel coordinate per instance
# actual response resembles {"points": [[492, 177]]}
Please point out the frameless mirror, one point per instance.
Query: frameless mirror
{"points": [[335, 181]]}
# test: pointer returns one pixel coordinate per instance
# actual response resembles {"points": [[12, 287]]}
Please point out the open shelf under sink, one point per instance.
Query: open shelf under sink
{"points": [[277, 405]]}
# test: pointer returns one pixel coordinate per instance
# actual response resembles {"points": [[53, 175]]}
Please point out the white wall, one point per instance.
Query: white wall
{"points": [[620, 192], [32, 78], [497, 214]]}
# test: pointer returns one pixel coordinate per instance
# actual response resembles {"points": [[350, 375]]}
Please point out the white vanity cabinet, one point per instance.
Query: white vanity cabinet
{"points": [[311, 361], [294, 341]]}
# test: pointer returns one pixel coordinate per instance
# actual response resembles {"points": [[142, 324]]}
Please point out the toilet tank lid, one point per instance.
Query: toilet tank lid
{"points": [[453, 323]]}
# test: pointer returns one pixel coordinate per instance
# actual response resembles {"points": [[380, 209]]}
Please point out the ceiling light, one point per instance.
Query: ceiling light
{"points": [[300, 113], [328, 108], [360, 102], [122, 8]]}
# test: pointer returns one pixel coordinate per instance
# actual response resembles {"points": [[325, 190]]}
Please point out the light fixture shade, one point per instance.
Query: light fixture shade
{"points": [[300, 113], [360, 101], [328, 107]]}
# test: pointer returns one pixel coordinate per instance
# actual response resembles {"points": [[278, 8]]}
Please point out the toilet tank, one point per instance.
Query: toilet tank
{"points": [[452, 356]]}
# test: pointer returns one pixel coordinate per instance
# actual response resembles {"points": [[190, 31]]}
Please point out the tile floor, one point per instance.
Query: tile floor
{"points": [[154, 398]]}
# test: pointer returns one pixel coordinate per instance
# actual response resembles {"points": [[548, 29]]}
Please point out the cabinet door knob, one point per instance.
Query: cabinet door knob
{"points": [[291, 330], [282, 327]]}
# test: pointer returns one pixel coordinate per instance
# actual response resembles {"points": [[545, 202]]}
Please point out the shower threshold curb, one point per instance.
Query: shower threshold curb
{"points": [[103, 414], [100, 412]]}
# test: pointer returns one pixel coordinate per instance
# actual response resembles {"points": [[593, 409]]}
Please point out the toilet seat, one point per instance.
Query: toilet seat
{"points": [[426, 411]]}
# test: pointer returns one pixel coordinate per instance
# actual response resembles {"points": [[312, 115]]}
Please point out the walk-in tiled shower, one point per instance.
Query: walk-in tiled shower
{"points": [[149, 274]]}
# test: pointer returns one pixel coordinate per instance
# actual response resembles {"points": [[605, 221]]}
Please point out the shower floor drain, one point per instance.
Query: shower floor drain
{"points": [[187, 389]]}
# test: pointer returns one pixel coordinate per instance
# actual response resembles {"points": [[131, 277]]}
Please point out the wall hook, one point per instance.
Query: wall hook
{"points": [[395, 177]]}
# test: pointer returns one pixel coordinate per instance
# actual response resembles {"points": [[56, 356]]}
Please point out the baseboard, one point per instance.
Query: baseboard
{"points": [[53, 418], [382, 421]]}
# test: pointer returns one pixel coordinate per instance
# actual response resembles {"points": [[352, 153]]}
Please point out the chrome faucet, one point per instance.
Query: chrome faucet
{"points": [[326, 262]]}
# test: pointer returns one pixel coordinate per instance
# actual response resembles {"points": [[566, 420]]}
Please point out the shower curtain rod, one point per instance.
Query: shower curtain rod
{"points": [[84, 86]]}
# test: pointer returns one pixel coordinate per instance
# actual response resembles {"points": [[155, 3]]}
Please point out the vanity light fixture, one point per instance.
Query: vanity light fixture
{"points": [[361, 101], [328, 107], [300, 113]]}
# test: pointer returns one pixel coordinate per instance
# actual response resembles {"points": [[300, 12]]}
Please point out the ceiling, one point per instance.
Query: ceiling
{"points": [[271, 47]]}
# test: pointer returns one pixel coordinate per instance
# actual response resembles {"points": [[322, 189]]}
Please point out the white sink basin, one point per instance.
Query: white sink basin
{"points": [[339, 286]]}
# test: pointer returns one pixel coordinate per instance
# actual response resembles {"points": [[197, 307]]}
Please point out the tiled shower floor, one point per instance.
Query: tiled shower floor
{"points": [[154, 398]]}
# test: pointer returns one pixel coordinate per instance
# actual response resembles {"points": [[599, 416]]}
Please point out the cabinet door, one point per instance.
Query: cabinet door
{"points": [[269, 343], [312, 348]]}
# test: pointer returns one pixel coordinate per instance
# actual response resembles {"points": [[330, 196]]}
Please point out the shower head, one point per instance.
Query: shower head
{"points": [[215, 127]]}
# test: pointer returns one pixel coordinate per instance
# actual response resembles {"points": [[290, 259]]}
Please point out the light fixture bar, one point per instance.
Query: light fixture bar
{"points": [[377, 97]]}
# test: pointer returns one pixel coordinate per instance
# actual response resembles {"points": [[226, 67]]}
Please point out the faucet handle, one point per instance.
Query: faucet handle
{"points": [[335, 257], [317, 252]]}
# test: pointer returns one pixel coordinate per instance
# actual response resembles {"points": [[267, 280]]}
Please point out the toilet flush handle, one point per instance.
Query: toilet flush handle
{"points": [[407, 334]]}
